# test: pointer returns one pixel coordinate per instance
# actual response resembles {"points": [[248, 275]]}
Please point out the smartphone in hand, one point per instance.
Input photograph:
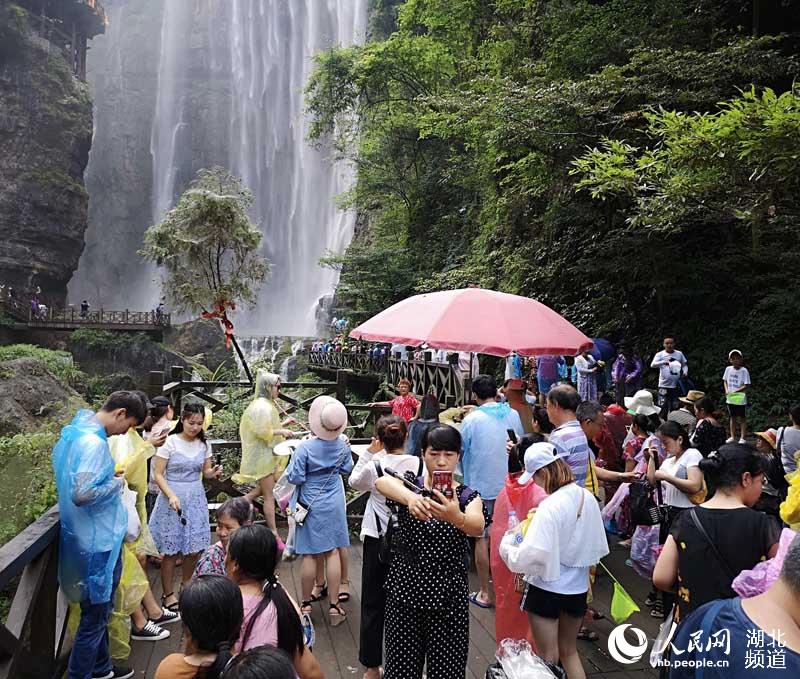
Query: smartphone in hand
{"points": [[443, 482], [512, 435]]}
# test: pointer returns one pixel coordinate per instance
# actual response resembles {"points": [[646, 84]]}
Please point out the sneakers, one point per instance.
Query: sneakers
{"points": [[742, 441], [651, 599], [167, 617], [150, 632], [116, 673], [730, 439]]}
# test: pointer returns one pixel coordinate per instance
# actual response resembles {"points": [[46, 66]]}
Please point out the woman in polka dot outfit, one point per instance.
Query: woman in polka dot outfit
{"points": [[427, 609]]}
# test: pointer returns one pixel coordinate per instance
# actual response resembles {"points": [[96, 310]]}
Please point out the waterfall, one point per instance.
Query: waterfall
{"points": [[228, 91]]}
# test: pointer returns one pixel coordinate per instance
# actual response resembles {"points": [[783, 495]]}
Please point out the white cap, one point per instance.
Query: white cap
{"points": [[537, 456]]}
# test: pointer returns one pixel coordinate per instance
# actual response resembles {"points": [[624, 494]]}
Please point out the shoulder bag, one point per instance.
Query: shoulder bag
{"points": [[644, 510], [714, 550]]}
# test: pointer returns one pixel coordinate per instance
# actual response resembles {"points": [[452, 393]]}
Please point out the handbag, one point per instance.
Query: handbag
{"points": [[300, 511], [644, 510]]}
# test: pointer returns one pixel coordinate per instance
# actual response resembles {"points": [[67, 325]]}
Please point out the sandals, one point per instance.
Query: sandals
{"points": [[344, 596], [306, 607], [473, 599], [323, 594], [172, 608], [337, 615]]}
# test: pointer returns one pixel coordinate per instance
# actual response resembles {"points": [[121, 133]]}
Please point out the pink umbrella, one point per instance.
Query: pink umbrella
{"points": [[477, 320]]}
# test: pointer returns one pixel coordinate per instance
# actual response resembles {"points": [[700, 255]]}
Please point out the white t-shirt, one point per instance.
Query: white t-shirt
{"points": [[177, 444], [736, 378], [678, 467], [668, 377]]}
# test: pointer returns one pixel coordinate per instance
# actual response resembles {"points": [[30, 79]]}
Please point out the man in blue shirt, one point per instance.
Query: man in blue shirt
{"points": [[756, 638], [485, 464]]}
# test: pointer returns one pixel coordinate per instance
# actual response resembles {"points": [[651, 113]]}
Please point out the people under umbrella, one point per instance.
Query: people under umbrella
{"points": [[531, 485]]}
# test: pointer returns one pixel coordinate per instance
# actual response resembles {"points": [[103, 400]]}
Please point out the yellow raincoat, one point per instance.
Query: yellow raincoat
{"points": [[256, 431]]}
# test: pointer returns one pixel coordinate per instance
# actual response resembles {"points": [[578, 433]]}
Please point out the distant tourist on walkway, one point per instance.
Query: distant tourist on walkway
{"points": [[427, 415], [427, 609], [468, 365], [626, 373], [672, 365], [179, 522], [564, 540], [160, 312], [789, 440], [316, 468], [405, 404], [485, 462], [84, 309], [685, 415], [547, 373], [386, 450], [212, 613], [736, 380], [93, 524], [586, 367]]}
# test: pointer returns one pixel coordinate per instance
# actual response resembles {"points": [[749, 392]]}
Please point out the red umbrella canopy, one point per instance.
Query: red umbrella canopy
{"points": [[474, 319]]}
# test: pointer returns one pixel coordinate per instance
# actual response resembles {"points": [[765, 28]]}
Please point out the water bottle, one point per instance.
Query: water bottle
{"points": [[513, 525]]}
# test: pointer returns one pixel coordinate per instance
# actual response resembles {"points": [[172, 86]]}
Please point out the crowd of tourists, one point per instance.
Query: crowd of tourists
{"points": [[533, 483]]}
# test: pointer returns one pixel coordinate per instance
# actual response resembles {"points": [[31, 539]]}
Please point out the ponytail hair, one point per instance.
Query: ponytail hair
{"points": [[158, 408], [188, 410], [392, 431], [254, 549], [725, 467], [212, 611]]}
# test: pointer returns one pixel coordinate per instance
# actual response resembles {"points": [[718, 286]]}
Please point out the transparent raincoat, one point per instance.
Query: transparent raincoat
{"points": [[259, 420], [93, 518]]}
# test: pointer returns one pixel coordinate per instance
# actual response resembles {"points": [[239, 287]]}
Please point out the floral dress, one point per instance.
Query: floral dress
{"points": [[404, 406], [185, 460]]}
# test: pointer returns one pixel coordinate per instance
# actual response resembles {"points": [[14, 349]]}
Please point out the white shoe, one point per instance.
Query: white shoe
{"points": [[729, 440], [742, 441]]}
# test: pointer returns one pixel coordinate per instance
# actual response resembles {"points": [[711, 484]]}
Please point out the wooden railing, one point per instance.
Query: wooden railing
{"points": [[144, 320], [426, 376], [32, 637]]}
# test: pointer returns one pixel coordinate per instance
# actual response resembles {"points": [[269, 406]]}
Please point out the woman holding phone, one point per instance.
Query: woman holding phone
{"points": [[427, 605]]}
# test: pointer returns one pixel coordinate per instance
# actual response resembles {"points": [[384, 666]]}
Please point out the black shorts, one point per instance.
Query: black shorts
{"points": [[736, 410], [551, 605]]}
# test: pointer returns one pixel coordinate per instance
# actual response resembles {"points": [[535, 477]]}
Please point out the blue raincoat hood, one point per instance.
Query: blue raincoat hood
{"points": [[499, 411], [93, 518]]}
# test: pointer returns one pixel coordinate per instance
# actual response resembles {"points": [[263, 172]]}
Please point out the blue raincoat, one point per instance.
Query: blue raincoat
{"points": [[93, 518]]}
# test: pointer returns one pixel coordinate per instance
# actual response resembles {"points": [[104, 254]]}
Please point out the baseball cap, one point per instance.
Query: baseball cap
{"points": [[537, 456]]}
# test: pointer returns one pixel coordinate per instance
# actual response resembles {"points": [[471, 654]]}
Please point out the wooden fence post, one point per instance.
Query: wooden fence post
{"points": [[341, 385], [176, 375], [155, 384]]}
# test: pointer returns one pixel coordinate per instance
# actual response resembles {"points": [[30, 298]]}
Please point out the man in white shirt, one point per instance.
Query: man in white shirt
{"points": [[672, 365]]}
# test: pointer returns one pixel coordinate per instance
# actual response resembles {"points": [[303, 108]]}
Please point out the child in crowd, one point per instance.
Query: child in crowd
{"points": [[270, 615], [179, 521], [211, 606], [736, 380]]}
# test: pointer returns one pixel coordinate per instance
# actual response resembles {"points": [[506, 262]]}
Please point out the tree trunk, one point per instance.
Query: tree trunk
{"points": [[242, 359]]}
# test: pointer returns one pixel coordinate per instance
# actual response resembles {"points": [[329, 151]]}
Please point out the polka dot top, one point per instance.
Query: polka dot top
{"points": [[429, 569]]}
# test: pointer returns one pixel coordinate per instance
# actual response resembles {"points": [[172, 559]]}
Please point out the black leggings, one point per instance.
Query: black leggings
{"points": [[373, 605]]}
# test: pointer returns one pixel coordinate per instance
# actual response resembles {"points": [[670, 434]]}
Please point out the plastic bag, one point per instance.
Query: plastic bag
{"points": [[134, 523], [610, 510], [643, 550], [283, 491], [757, 580], [790, 507], [520, 662]]}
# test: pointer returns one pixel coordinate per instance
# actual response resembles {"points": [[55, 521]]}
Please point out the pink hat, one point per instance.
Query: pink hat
{"points": [[327, 418]]}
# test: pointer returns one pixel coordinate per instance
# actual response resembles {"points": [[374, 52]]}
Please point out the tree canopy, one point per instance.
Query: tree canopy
{"points": [[631, 163]]}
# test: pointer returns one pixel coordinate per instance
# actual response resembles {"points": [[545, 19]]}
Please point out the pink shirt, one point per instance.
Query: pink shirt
{"points": [[265, 628]]}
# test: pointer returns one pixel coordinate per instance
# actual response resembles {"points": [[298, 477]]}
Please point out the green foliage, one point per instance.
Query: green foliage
{"points": [[630, 163], [208, 245], [106, 340], [57, 362]]}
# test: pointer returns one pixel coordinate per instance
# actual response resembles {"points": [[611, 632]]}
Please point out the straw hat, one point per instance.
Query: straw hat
{"points": [[641, 403], [770, 436], [327, 418], [692, 396]]}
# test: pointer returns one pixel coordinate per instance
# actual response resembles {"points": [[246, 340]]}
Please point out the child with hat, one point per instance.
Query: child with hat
{"points": [[736, 380]]}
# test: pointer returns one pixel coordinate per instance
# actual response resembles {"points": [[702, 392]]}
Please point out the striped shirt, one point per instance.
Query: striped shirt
{"points": [[570, 440]]}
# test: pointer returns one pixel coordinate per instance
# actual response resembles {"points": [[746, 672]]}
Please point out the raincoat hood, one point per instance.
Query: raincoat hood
{"points": [[93, 518]]}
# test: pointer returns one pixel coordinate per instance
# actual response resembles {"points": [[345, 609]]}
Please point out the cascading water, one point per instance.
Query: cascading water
{"points": [[229, 91]]}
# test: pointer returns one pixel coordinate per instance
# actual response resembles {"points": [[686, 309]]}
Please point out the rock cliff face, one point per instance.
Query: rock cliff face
{"points": [[45, 135]]}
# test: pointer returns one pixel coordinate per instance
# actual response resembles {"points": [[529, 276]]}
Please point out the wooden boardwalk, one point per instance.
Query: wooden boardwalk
{"points": [[337, 647]]}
